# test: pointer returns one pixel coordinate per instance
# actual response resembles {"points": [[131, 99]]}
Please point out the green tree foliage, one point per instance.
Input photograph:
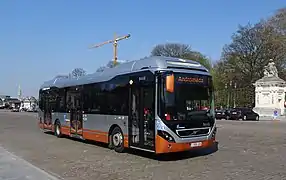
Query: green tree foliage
{"points": [[183, 51], [243, 60], [250, 51]]}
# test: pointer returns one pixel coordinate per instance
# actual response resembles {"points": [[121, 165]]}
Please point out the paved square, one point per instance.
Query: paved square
{"points": [[247, 150], [15, 168]]}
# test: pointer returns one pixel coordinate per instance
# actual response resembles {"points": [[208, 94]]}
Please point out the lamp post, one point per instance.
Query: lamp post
{"points": [[225, 86], [230, 73], [229, 92], [228, 88], [234, 96]]}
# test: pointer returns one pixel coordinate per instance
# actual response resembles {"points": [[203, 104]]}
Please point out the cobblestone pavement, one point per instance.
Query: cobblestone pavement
{"points": [[246, 151]]}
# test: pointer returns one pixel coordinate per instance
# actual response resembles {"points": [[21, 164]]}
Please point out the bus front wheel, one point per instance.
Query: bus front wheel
{"points": [[117, 140]]}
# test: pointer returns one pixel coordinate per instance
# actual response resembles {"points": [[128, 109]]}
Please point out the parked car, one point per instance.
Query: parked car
{"points": [[15, 109], [243, 114], [222, 114]]}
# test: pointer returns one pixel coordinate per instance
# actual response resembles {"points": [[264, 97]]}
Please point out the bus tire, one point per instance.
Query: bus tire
{"points": [[110, 144], [117, 140], [58, 131]]}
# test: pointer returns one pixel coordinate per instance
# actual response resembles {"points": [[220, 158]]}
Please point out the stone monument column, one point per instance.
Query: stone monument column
{"points": [[270, 92]]}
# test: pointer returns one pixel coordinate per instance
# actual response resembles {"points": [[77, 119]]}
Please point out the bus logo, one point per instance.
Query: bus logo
{"points": [[195, 132]]}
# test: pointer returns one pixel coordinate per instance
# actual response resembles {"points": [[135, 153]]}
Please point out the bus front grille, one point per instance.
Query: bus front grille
{"points": [[193, 132]]}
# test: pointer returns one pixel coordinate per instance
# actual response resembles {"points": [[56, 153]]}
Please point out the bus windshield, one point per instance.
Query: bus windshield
{"points": [[191, 98]]}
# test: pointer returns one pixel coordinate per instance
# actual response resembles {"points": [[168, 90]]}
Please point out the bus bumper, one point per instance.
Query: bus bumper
{"points": [[163, 146]]}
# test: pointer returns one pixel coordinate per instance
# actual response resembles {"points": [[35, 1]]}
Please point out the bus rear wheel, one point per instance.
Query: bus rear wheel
{"points": [[117, 140]]}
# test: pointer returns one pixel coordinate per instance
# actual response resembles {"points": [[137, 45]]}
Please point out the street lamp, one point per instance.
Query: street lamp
{"points": [[225, 86], [228, 87], [234, 96]]}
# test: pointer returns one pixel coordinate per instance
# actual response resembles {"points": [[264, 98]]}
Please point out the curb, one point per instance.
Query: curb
{"points": [[27, 164]]}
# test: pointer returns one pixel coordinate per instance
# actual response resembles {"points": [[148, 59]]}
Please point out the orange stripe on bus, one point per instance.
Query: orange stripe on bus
{"points": [[49, 127], [100, 132], [100, 136], [126, 145], [65, 130], [94, 131], [89, 134], [96, 137], [41, 125]]}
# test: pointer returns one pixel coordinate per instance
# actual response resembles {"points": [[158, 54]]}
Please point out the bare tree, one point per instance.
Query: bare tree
{"points": [[77, 72], [110, 64], [278, 21], [101, 69], [183, 51], [171, 50]]}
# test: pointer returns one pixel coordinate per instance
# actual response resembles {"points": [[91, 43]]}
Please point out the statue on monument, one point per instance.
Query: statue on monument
{"points": [[270, 70]]}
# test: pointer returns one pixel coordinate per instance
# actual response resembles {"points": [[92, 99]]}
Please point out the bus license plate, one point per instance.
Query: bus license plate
{"points": [[196, 144]]}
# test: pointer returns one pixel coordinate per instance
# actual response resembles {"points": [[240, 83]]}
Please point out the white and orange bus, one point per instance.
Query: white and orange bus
{"points": [[153, 104]]}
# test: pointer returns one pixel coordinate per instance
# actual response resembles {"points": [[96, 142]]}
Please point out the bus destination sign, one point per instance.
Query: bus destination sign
{"points": [[192, 79]]}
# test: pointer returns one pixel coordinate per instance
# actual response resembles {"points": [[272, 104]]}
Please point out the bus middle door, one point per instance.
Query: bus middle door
{"points": [[47, 116], [76, 115]]}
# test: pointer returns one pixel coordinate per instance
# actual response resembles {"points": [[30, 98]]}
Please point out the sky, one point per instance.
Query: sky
{"points": [[42, 39]]}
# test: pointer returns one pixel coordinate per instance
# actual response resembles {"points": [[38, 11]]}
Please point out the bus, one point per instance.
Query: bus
{"points": [[156, 104]]}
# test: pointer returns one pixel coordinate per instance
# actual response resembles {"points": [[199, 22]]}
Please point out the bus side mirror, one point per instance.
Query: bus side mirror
{"points": [[170, 82]]}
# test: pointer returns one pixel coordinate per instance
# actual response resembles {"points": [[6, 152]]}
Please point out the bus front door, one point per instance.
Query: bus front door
{"points": [[141, 118]]}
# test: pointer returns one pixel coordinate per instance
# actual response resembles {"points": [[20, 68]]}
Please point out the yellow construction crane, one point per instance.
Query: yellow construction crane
{"points": [[115, 42]]}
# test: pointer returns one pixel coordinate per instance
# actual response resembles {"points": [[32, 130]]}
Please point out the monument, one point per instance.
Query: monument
{"points": [[270, 92]]}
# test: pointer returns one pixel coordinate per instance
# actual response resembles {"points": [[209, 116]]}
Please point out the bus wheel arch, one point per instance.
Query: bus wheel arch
{"points": [[116, 139], [57, 128]]}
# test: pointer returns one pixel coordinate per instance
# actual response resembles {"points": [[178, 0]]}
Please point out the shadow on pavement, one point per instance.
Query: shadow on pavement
{"points": [[175, 156], [161, 157]]}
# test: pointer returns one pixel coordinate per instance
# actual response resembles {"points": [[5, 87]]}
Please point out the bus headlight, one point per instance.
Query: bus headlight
{"points": [[166, 136]]}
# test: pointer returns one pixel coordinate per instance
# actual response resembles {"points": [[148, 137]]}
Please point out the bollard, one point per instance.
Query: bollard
{"points": [[275, 115]]}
